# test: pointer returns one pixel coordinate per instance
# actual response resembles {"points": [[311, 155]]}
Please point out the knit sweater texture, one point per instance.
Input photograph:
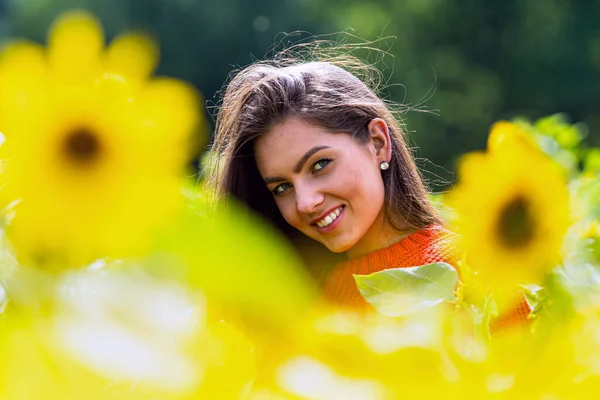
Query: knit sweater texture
{"points": [[426, 246]]}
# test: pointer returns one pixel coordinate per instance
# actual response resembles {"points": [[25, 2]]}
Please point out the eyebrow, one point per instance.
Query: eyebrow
{"points": [[306, 156], [299, 165], [274, 179]]}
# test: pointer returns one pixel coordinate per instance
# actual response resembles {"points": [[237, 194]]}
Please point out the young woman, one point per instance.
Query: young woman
{"points": [[313, 149]]}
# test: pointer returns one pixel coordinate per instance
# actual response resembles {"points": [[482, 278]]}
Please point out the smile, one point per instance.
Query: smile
{"points": [[329, 218]]}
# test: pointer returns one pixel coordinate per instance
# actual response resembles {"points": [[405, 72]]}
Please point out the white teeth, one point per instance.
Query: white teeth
{"points": [[329, 218]]}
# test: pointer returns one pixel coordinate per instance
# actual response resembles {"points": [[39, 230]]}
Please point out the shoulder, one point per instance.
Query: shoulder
{"points": [[425, 246], [430, 245]]}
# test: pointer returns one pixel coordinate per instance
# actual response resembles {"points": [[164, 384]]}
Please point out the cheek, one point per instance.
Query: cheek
{"points": [[287, 208], [362, 187]]}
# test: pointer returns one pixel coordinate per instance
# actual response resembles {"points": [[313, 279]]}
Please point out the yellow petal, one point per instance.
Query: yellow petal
{"points": [[506, 135], [22, 84], [132, 55], [115, 86], [471, 164], [170, 111], [23, 56], [76, 42]]}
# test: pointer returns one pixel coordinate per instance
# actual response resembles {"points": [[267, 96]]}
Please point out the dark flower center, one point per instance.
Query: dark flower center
{"points": [[82, 146], [515, 224]]}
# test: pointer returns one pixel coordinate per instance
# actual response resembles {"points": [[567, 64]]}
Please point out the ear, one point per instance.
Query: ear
{"points": [[380, 139]]}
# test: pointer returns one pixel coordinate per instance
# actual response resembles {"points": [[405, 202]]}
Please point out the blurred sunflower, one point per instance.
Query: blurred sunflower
{"points": [[118, 333], [94, 149], [512, 204]]}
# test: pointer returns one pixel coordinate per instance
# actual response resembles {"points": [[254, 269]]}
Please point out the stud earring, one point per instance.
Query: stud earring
{"points": [[384, 165]]}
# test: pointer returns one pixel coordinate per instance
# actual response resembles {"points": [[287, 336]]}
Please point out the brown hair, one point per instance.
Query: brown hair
{"points": [[325, 94]]}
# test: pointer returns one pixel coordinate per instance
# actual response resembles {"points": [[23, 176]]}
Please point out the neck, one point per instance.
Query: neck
{"points": [[381, 235]]}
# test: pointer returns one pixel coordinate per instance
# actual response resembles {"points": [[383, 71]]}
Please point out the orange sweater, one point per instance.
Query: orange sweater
{"points": [[429, 245]]}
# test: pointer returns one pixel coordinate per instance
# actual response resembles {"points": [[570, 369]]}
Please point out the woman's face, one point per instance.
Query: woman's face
{"points": [[327, 185]]}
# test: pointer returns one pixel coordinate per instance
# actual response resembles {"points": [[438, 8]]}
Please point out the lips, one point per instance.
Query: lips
{"points": [[328, 217]]}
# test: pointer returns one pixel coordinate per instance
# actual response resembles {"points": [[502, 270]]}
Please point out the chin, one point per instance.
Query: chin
{"points": [[338, 247]]}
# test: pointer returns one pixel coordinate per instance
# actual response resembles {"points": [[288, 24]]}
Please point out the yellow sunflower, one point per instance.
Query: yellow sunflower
{"points": [[94, 149], [512, 204]]}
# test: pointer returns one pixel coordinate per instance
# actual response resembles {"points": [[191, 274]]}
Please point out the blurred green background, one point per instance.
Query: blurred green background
{"points": [[471, 62]]}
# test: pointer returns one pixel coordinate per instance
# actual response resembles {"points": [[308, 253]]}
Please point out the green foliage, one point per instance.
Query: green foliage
{"points": [[403, 291], [476, 62], [469, 62], [592, 161]]}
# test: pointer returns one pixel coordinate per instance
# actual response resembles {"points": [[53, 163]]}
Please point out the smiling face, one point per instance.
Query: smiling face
{"points": [[328, 185]]}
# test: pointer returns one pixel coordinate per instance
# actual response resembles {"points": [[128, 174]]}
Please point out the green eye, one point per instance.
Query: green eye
{"points": [[319, 165], [284, 187]]}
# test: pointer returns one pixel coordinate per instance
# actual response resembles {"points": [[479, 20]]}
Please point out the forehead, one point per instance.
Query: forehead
{"points": [[290, 139]]}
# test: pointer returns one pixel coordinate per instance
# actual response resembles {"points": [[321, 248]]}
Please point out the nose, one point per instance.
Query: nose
{"points": [[308, 199]]}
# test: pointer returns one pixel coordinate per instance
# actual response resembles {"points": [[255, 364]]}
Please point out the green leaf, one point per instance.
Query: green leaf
{"points": [[592, 161], [402, 291], [237, 261], [568, 136]]}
